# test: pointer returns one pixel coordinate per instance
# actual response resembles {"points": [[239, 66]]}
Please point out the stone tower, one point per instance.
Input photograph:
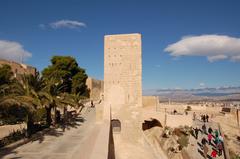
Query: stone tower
{"points": [[122, 70]]}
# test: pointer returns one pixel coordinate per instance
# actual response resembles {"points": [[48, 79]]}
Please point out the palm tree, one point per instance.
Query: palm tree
{"points": [[26, 94], [50, 98], [75, 100]]}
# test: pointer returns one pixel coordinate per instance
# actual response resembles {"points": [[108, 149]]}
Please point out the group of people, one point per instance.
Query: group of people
{"points": [[204, 117], [214, 138]]}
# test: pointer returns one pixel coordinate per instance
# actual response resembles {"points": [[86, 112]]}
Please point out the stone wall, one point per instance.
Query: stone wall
{"points": [[96, 88], [19, 68]]}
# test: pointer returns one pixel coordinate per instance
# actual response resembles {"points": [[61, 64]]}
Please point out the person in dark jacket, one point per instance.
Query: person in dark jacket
{"points": [[207, 117], [196, 130], [210, 130]]}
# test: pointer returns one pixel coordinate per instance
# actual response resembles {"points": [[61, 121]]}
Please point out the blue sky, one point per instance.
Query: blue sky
{"points": [[38, 27]]}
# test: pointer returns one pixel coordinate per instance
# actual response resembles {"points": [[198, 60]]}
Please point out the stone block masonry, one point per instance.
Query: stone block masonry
{"points": [[123, 70]]}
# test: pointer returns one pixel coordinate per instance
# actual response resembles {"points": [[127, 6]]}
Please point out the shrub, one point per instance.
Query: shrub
{"points": [[182, 130], [189, 108], [13, 115], [183, 141]]}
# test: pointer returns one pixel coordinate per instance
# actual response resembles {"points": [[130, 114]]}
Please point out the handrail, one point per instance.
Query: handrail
{"points": [[225, 150]]}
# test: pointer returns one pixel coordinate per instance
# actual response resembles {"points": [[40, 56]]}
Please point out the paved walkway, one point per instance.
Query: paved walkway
{"points": [[75, 142], [194, 148]]}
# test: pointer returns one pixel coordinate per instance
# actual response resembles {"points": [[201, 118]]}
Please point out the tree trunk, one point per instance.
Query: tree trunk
{"points": [[49, 117], [30, 125], [54, 115]]}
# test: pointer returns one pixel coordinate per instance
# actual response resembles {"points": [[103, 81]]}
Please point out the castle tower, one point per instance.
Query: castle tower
{"points": [[122, 70]]}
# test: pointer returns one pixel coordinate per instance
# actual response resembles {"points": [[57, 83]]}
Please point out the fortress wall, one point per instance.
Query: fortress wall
{"points": [[19, 68]]}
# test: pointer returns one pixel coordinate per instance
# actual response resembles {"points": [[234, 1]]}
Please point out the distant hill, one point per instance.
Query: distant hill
{"points": [[221, 93]]}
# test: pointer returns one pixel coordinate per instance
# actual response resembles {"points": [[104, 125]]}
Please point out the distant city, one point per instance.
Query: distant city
{"points": [[221, 93]]}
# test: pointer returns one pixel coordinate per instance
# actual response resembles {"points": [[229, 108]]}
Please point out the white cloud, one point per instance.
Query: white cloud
{"points": [[214, 47], [71, 24], [202, 84], [11, 50]]}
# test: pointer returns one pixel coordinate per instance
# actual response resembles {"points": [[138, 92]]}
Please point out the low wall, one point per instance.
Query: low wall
{"points": [[172, 120], [5, 130], [103, 140], [149, 101]]}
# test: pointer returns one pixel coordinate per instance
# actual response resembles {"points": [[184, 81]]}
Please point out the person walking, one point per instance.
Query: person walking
{"points": [[217, 141], [220, 148], [204, 118], [204, 129], [210, 130], [196, 130], [214, 153], [221, 138], [204, 141], [216, 133], [92, 105], [194, 116], [210, 138], [205, 150], [207, 117]]}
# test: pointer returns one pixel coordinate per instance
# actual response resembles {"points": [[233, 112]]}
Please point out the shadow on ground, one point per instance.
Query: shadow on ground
{"points": [[202, 154], [56, 131]]}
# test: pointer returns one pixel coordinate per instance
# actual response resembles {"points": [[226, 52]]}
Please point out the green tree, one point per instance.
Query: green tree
{"points": [[65, 71], [79, 84]]}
